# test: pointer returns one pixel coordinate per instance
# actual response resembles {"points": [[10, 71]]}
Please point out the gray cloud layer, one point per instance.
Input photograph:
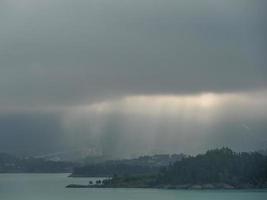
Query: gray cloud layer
{"points": [[56, 54], [61, 52]]}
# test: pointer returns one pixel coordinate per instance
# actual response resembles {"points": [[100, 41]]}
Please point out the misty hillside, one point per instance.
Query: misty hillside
{"points": [[13, 164], [141, 165]]}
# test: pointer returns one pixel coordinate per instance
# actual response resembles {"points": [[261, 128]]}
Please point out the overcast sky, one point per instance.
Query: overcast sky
{"points": [[131, 77]]}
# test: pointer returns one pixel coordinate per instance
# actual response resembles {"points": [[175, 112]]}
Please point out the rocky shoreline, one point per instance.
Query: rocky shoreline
{"points": [[214, 186]]}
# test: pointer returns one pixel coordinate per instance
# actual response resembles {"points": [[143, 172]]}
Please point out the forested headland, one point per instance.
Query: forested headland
{"points": [[218, 168]]}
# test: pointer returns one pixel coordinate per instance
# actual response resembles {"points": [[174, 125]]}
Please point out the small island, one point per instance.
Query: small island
{"points": [[216, 169]]}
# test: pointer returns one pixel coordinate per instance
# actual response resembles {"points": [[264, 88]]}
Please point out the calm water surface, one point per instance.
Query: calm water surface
{"points": [[52, 187]]}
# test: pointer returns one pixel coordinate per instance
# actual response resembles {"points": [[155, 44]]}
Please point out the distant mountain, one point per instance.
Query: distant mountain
{"points": [[13, 164], [73, 155]]}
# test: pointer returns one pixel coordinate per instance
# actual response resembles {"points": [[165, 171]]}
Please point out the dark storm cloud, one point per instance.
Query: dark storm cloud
{"points": [[60, 52]]}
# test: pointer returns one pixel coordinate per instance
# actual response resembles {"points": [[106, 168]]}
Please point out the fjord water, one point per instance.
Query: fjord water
{"points": [[52, 187]]}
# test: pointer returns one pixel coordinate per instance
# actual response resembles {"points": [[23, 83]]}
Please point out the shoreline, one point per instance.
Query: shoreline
{"points": [[176, 187]]}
